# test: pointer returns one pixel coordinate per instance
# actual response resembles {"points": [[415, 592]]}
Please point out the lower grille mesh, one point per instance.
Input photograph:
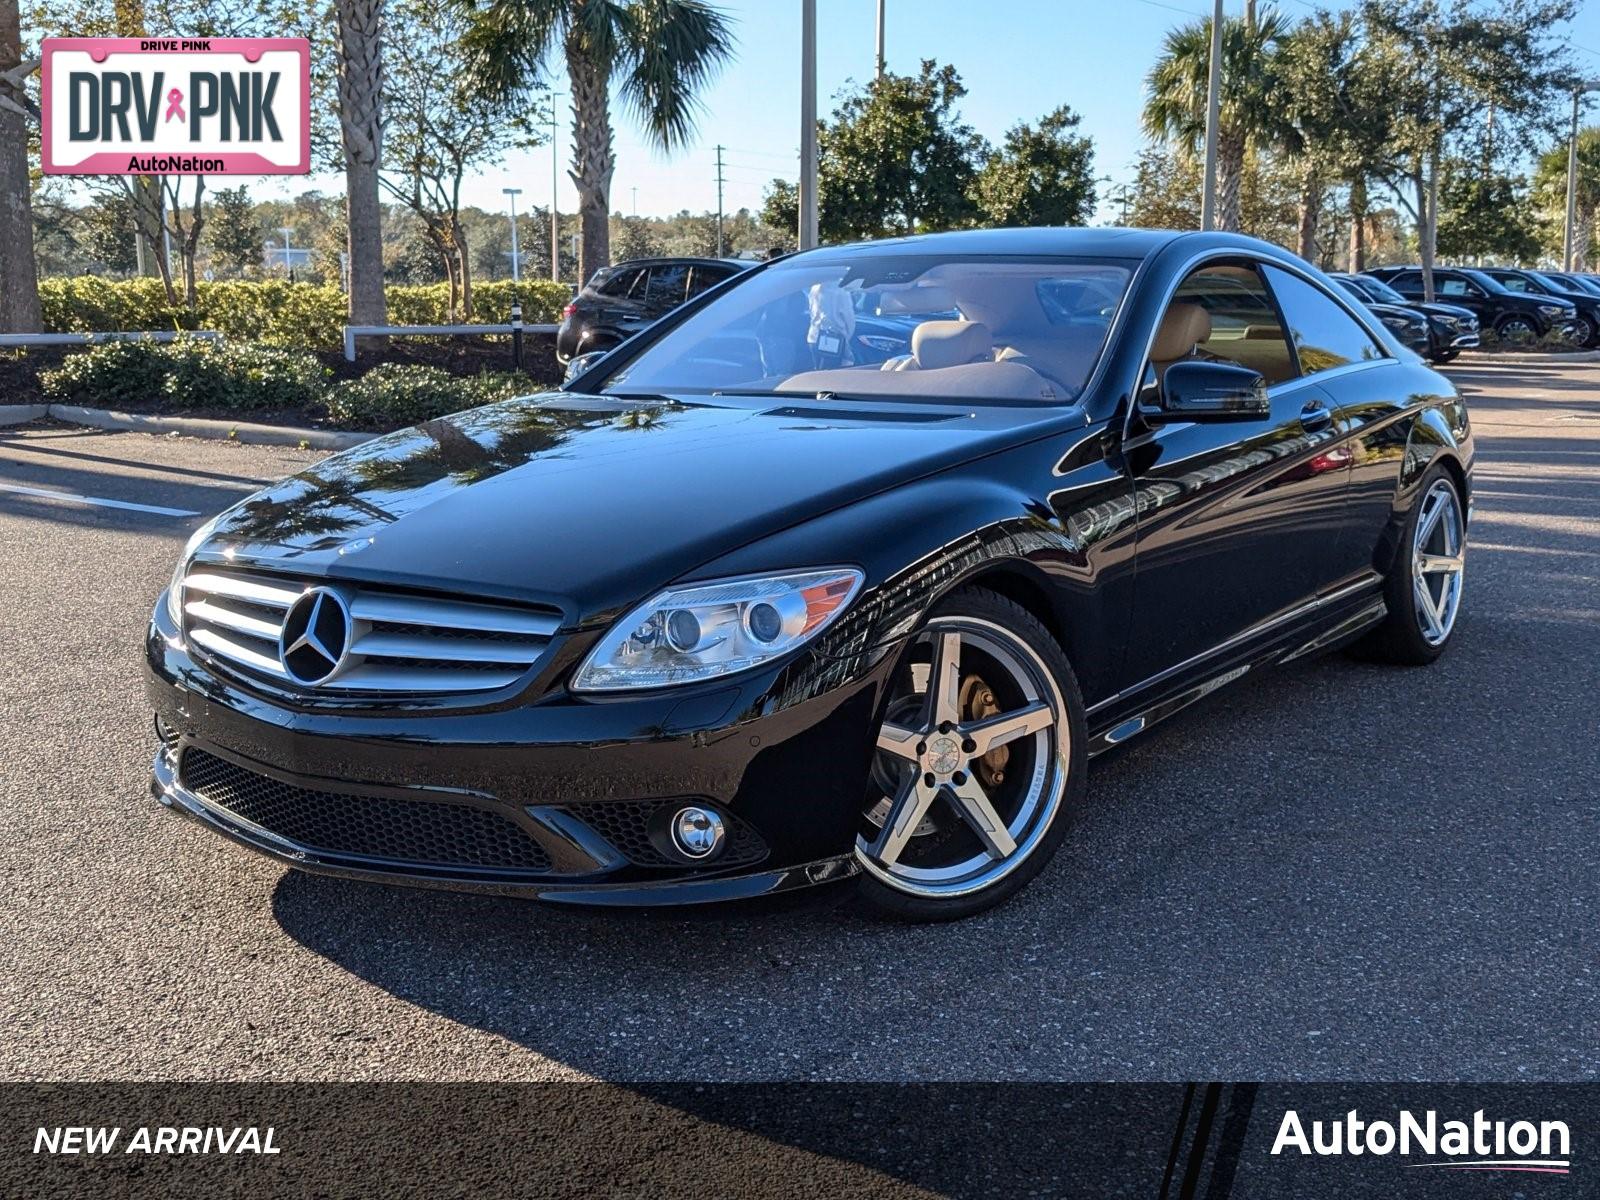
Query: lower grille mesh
{"points": [[411, 831]]}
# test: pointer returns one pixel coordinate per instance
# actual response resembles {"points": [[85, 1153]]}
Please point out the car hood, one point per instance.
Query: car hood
{"points": [[1396, 310], [1439, 309], [588, 502]]}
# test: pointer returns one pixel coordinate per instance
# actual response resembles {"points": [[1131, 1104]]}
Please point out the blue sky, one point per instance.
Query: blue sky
{"points": [[1018, 58]]}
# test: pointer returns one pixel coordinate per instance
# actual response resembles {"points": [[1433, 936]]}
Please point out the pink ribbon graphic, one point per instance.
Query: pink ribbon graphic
{"points": [[175, 105]]}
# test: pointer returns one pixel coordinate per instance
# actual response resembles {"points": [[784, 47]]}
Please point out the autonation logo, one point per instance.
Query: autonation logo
{"points": [[1476, 1145]]}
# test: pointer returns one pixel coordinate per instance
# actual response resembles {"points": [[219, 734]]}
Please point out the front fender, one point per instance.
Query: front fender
{"points": [[918, 543]]}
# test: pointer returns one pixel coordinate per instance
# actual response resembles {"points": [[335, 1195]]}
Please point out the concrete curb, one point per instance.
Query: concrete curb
{"points": [[200, 427], [21, 414], [1514, 359]]}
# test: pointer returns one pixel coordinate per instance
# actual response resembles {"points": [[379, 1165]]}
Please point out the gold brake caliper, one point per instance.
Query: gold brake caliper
{"points": [[978, 704]]}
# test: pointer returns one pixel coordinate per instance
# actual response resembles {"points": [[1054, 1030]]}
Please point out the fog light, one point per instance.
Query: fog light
{"points": [[697, 832]]}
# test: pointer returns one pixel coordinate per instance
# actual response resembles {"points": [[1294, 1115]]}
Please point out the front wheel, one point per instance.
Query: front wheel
{"points": [[1583, 331], [980, 759], [1516, 329], [1423, 590]]}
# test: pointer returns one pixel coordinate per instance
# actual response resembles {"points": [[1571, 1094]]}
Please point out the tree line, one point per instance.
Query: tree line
{"points": [[1393, 127]]}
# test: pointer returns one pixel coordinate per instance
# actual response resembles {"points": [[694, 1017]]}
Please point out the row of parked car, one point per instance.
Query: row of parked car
{"points": [[1516, 304]]}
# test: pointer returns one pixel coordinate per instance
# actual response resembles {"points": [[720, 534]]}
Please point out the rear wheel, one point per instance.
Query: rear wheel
{"points": [[980, 758], [1424, 587]]}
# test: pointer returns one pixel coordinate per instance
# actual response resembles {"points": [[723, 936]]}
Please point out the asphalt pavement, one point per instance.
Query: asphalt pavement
{"points": [[1336, 871]]}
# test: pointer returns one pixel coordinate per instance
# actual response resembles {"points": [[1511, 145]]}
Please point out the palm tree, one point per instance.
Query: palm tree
{"points": [[1250, 110], [360, 60], [662, 53], [1550, 184]]}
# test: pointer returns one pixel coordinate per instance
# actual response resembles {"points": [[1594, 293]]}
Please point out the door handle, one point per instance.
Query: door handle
{"points": [[1315, 415]]}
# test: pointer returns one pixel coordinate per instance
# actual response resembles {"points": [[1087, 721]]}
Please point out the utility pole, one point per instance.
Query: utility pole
{"points": [[288, 258], [516, 257], [636, 202], [808, 124], [1208, 198], [719, 201], [880, 38]]}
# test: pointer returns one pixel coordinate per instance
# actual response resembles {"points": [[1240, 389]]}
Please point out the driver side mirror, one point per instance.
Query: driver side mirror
{"points": [[579, 363], [1198, 390]]}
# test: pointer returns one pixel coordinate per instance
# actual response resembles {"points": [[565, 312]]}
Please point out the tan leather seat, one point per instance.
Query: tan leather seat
{"points": [[936, 344], [1183, 328]]}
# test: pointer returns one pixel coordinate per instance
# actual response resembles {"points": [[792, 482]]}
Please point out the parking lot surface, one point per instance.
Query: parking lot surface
{"points": [[1335, 871]]}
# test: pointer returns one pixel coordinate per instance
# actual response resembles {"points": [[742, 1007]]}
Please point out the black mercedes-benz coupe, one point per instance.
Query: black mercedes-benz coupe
{"points": [[737, 611]]}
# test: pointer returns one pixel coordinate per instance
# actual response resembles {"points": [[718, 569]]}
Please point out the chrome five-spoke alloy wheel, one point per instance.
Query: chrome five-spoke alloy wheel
{"points": [[1438, 562], [971, 763]]}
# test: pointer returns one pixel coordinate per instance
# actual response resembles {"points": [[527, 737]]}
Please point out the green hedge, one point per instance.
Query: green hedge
{"points": [[395, 394], [190, 375], [274, 311]]}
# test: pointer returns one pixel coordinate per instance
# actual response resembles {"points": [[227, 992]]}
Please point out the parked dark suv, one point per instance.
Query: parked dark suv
{"points": [[621, 300], [1586, 326], [1451, 328], [1511, 315]]}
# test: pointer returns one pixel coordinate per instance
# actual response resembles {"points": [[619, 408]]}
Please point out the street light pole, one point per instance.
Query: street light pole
{"points": [[1208, 198], [880, 38], [808, 124], [555, 191], [1568, 241], [516, 259], [288, 259]]}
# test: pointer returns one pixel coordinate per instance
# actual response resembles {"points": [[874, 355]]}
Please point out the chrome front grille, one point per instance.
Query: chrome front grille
{"points": [[396, 643]]}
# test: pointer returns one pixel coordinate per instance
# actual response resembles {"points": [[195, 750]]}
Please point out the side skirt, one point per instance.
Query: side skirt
{"points": [[1340, 633]]}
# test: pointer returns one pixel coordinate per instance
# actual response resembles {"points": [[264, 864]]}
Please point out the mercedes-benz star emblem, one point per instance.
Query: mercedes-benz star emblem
{"points": [[315, 640]]}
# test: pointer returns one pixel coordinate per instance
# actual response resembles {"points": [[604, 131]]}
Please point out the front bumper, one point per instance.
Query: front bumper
{"points": [[555, 799]]}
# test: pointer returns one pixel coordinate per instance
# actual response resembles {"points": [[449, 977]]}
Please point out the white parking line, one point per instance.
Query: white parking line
{"points": [[98, 500]]}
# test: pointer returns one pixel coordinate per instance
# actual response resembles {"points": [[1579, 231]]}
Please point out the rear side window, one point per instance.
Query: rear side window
{"points": [[701, 278], [667, 285], [1245, 328], [1408, 281], [1324, 335]]}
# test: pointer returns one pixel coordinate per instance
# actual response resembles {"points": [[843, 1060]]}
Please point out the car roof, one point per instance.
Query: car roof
{"points": [[1108, 242], [682, 260]]}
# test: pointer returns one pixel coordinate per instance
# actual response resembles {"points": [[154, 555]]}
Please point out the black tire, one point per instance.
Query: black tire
{"points": [[1440, 357], [1584, 332], [1402, 638], [1514, 325], [1002, 616]]}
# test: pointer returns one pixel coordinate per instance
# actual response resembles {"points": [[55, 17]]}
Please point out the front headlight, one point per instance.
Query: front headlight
{"points": [[1396, 322], [1551, 310], [175, 585], [708, 630]]}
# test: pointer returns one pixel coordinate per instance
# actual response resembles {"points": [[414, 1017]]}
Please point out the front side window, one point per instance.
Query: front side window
{"points": [[617, 283], [1324, 335], [1515, 283], [1001, 328], [1239, 325], [1454, 285]]}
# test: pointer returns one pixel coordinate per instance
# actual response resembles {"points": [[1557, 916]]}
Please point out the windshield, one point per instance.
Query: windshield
{"points": [[915, 326], [1549, 284], [1353, 290], [1381, 291]]}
